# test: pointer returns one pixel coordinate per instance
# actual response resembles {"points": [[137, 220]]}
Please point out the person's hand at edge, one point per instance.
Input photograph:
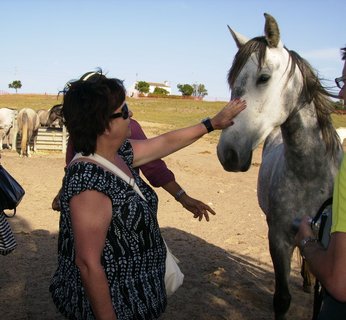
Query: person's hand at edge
{"points": [[196, 207]]}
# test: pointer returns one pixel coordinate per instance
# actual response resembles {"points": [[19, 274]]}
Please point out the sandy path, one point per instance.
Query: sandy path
{"points": [[228, 271]]}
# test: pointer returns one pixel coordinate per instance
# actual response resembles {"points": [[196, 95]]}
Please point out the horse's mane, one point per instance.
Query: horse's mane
{"points": [[312, 89]]}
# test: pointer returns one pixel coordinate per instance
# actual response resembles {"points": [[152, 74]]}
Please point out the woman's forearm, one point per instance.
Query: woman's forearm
{"points": [[96, 285], [328, 265], [165, 144]]}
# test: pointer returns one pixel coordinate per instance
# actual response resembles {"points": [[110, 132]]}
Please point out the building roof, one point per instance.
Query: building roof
{"points": [[157, 84]]}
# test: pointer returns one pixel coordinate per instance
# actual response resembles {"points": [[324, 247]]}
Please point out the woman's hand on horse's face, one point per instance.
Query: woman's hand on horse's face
{"points": [[225, 117]]}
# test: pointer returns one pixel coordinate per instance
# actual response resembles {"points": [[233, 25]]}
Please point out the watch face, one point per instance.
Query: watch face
{"points": [[208, 124]]}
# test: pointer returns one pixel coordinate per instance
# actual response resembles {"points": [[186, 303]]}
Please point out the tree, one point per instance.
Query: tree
{"points": [[142, 86], [16, 84], [185, 89], [199, 90], [162, 91]]}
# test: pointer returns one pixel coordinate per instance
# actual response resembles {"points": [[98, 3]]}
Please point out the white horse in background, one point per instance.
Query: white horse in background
{"points": [[341, 133], [288, 108], [6, 123]]}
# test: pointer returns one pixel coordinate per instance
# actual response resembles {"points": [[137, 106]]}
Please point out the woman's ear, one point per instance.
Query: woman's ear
{"points": [[107, 130]]}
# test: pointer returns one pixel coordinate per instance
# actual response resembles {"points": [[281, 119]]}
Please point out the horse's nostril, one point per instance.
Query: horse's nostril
{"points": [[233, 156], [230, 160]]}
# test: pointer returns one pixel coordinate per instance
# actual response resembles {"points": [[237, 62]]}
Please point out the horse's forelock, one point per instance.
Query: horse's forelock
{"points": [[258, 45]]}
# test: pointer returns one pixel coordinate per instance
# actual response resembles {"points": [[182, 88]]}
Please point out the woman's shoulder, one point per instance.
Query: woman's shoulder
{"points": [[81, 176], [84, 171], [80, 166]]}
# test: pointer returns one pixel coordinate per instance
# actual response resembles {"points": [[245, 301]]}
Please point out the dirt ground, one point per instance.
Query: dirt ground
{"points": [[226, 262]]}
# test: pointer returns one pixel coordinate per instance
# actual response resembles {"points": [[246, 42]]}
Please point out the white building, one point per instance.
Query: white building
{"points": [[132, 92]]}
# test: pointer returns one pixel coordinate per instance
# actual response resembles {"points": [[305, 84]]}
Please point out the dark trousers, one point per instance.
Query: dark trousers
{"points": [[332, 309]]}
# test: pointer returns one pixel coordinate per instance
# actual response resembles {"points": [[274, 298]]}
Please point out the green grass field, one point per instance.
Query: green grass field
{"points": [[174, 113]]}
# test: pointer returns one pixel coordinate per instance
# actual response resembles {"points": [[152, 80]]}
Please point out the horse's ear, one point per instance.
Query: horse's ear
{"points": [[272, 32], [239, 39]]}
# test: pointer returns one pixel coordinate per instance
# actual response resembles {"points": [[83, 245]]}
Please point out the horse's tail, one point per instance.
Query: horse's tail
{"points": [[24, 141], [308, 277]]}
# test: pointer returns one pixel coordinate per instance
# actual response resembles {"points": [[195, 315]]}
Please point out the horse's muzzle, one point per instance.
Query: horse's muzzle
{"points": [[231, 161]]}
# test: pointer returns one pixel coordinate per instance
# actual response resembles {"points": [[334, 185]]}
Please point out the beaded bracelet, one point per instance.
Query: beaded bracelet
{"points": [[304, 243]]}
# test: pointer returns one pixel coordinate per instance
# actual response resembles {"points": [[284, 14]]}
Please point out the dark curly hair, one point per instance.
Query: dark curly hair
{"points": [[87, 106]]}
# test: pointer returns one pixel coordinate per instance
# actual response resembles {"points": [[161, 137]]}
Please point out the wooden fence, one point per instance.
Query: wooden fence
{"points": [[48, 139], [53, 139]]}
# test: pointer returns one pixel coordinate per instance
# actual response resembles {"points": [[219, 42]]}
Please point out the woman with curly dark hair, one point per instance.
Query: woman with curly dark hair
{"points": [[111, 256]]}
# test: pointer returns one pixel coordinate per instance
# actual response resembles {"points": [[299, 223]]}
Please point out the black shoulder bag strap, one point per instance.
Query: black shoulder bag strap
{"points": [[321, 218]]}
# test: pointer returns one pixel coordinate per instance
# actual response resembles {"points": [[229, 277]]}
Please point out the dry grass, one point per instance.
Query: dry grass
{"points": [[171, 113], [34, 101]]}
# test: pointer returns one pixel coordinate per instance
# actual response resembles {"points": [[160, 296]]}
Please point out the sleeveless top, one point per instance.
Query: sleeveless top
{"points": [[134, 253], [339, 195]]}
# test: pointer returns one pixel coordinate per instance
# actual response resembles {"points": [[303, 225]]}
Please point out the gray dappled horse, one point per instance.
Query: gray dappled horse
{"points": [[50, 117], [288, 109], [28, 123]]}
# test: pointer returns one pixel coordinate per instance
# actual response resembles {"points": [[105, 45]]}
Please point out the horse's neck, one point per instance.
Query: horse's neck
{"points": [[46, 116], [303, 141]]}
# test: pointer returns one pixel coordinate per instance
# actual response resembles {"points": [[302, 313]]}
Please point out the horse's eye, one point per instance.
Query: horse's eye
{"points": [[263, 78]]}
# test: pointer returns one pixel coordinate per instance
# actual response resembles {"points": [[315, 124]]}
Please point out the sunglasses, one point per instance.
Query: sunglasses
{"points": [[340, 82], [124, 113]]}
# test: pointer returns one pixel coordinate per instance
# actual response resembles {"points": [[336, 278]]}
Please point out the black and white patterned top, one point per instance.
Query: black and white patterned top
{"points": [[134, 253]]}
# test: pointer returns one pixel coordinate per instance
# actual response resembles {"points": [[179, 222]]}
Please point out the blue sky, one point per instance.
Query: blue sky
{"points": [[45, 43]]}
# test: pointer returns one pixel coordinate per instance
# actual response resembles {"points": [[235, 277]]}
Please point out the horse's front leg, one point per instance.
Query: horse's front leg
{"points": [[35, 142], [281, 253], [28, 151]]}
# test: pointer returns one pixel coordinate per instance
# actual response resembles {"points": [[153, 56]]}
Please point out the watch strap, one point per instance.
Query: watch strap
{"points": [[208, 125]]}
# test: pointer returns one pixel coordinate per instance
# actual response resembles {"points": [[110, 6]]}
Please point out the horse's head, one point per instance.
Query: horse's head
{"points": [[259, 75], [55, 113]]}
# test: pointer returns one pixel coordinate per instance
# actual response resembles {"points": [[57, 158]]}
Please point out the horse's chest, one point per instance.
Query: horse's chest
{"points": [[287, 194]]}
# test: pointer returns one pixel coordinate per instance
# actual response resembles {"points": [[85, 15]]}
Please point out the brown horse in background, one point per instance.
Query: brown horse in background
{"points": [[28, 123]]}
